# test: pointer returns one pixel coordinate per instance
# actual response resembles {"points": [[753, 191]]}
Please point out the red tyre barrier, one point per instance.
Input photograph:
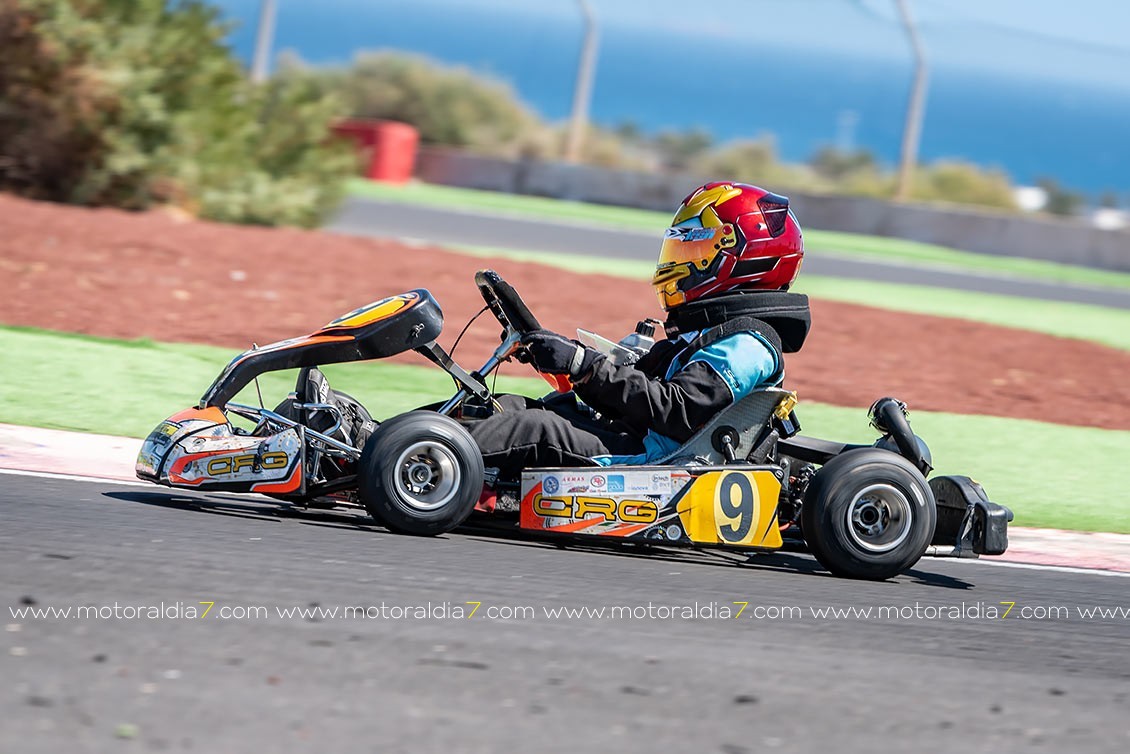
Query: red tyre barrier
{"points": [[387, 148]]}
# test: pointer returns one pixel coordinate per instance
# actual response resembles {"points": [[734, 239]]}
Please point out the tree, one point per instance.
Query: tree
{"points": [[964, 183], [754, 161], [835, 164], [447, 105], [133, 103], [1060, 200], [629, 131], [679, 150]]}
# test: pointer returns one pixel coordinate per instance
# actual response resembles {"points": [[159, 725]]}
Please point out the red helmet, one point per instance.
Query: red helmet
{"points": [[724, 237]]}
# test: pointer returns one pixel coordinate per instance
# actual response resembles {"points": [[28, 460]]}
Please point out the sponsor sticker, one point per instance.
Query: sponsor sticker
{"points": [[698, 234], [649, 482], [550, 485], [163, 434], [615, 482], [597, 481], [689, 235]]}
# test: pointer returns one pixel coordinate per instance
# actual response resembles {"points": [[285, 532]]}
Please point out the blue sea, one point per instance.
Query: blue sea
{"points": [[1073, 132]]}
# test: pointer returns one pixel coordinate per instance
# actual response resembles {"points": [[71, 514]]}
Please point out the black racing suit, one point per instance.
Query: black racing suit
{"points": [[621, 405]]}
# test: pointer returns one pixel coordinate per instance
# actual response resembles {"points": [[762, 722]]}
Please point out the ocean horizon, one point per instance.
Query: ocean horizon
{"points": [[1027, 128]]}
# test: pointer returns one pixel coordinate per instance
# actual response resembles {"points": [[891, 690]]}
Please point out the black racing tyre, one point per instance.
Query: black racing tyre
{"points": [[868, 514], [420, 473]]}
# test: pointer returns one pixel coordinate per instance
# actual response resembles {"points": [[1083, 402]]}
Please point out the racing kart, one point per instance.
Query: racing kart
{"points": [[744, 479]]}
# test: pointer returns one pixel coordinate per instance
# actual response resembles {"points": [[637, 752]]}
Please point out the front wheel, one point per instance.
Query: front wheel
{"points": [[420, 473], [868, 514]]}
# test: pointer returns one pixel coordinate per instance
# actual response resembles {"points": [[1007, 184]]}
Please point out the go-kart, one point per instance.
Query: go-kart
{"points": [[864, 511]]}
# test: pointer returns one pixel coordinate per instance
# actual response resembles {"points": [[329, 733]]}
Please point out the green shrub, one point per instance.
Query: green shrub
{"points": [[448, 105], [964, 183], [1060, 200], [755, 161], [752, 161], [838, 165], [133, 103], [682, 150]]}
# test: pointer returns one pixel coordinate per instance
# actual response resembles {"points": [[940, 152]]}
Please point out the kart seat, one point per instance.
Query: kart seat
{"points": [[313, 388], [745, 420]]}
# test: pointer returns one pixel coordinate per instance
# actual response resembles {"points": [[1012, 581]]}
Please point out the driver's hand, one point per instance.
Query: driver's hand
{"points": [[551, 353]]}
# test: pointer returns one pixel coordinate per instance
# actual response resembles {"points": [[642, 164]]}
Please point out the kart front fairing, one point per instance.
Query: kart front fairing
{"points": [[199, 448]]}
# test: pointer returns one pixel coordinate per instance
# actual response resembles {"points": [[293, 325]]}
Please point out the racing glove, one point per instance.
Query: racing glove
{"points": [[555, 354]]}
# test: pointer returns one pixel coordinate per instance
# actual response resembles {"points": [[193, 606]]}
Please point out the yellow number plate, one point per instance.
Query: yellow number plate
{"points": [[732, 508]]}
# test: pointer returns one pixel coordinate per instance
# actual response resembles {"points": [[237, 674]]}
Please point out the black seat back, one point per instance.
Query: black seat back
{"points": [[746, 419]]}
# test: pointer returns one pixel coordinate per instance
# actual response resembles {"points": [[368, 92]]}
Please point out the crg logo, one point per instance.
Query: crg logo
{"points": [[626, 511], [235, 464]]}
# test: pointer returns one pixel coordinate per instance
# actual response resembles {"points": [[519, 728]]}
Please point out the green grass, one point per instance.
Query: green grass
{"points": [[1107, 326], [65, 381], [823, 242], [1021, 463], [1099, 324], [89, 384]]}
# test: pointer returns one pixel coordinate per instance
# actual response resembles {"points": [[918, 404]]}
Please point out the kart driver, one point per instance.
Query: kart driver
{"points": [[724, 270]]}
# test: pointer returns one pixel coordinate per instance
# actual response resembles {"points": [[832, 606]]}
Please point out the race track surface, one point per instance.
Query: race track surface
{"points": [[273, 683], [383, 219]]}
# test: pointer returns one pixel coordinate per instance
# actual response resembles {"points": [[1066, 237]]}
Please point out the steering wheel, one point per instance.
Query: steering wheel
{"points": [[505, 303], [513, 314]]}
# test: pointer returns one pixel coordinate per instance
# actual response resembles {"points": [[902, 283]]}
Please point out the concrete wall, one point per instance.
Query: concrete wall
{"points": [[1059, 240]]}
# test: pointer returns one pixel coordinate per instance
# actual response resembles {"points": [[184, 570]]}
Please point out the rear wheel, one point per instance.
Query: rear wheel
{"points": [[420, 473], [868, 514]]}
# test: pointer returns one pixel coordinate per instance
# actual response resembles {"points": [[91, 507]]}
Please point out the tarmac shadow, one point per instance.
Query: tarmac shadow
{"points": [[793, 559], [225, 505], [940, 580], [774, 561]]}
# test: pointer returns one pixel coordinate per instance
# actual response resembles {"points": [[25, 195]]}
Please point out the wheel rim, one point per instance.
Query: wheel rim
{"points": [[880, 518], [427, 475]]}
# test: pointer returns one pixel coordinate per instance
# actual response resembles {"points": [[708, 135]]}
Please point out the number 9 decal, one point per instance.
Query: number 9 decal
{"points": [[736, 507]]}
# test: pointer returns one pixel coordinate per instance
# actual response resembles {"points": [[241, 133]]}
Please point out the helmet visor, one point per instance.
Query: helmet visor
{"points": [[694, 246]]}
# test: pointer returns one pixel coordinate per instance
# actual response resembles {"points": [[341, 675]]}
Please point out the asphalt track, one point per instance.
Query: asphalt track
{"points": [[531, 684], [371, 217]]}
